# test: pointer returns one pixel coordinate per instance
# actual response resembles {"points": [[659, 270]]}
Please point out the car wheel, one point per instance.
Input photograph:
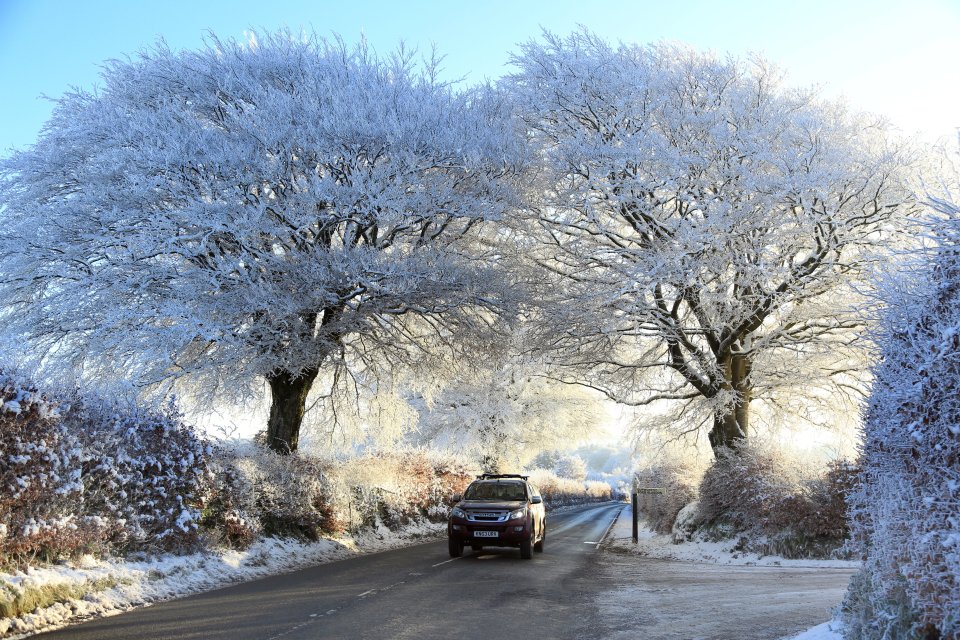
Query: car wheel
{"points": [[526, 548], [456, 547], [543, 536]]}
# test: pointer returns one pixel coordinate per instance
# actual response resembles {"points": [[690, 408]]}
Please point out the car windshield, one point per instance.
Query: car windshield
{"points": [[496, 491]]}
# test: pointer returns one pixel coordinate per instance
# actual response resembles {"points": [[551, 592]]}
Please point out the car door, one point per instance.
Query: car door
{"points": [[538, 511]]}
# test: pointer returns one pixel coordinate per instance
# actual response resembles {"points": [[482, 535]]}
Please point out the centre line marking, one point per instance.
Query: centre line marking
{"points": [[445, 561]]}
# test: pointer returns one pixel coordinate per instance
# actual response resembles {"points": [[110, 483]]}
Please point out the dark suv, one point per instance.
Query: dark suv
{"points": [[498, 511]]}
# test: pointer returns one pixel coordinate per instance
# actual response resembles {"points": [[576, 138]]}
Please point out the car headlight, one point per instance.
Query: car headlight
{"points": [[519, 513], [457, 512]]}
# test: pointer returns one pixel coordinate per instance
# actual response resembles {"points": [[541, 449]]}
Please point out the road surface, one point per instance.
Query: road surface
{"points": [[569, 591]]}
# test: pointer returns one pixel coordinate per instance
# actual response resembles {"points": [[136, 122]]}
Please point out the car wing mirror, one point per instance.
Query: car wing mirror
{"points": [[536, 500], [457, 497]]}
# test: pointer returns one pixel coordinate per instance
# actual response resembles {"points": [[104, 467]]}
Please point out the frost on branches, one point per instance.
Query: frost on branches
{"points": [[705, 224], [506, 413], [275, 210], [906, 513]]}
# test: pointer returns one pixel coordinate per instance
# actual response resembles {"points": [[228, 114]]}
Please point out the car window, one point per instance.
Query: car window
{"points": [[511, 491], [481, 491]]}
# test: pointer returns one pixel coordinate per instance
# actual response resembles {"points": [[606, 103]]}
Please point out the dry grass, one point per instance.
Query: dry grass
{"points": [[15, 602]]}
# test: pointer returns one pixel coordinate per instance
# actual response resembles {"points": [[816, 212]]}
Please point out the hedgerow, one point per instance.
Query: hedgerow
{"points": [[558, 491], [81, 475], [906, 509]]}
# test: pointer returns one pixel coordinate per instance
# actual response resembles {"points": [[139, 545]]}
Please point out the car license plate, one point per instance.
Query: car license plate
{"points": [[485, 534]]}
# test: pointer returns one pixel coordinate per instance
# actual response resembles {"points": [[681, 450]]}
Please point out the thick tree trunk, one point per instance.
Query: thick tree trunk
{"points": [[288, 404], [730, 427]]}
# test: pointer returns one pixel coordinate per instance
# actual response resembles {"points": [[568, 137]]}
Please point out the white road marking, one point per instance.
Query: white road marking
{"points": [[366, 593], [445, 561]]}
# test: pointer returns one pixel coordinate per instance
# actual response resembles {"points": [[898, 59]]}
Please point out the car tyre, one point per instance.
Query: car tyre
{"points": [[543, 536], [526, 548], [456, 547]]}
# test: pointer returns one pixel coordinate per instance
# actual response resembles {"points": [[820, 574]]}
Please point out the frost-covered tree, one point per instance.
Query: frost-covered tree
{"points": [[506, 413], [269, 210], [571, 466], [906, 512], [705, 223]]}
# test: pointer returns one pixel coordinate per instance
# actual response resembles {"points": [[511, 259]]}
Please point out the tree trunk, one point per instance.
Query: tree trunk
{"points": [[730, 427], [287, 406]]}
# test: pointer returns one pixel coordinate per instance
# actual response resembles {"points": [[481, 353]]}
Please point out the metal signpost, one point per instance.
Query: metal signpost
{"points": [[636, 491]]}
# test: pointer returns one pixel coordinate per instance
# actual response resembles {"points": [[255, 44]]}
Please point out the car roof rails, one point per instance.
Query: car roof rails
{"points": [[497, 476]]}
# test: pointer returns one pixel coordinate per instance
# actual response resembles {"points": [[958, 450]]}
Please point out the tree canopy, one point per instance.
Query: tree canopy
{"points": [[705, 223], [262, 210]]}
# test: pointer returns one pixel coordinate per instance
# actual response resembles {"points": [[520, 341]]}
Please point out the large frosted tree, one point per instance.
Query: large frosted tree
{"points": [[268, 210], [705, 224]]}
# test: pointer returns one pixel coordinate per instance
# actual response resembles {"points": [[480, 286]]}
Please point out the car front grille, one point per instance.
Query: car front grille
{"points": [[487, 516]]}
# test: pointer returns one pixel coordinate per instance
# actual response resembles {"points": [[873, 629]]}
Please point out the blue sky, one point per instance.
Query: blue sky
{"points": [[897, 58]]}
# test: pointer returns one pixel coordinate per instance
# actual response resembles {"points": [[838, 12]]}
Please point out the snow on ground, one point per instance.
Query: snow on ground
{"points": [[622, 601], [655, 545], [142, 582], [826, 631]]}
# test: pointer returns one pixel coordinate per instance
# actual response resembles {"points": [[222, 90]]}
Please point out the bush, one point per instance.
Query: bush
{"points": [[40, 479], [906, 507], [763, 497], [144, 469], [82, 475], [557, 491], [261, 491], [679, 478], [227, 518], [399, 487]]}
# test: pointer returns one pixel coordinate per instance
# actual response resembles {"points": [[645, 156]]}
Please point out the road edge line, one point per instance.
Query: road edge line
{"points": [[603, 538]]}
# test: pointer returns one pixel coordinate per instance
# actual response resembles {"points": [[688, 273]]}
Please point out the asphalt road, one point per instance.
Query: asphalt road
{"points": [[571, 591], [668, 600], [415, 592]]}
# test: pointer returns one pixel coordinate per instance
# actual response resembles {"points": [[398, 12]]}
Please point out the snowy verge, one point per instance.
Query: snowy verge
{"points": [[662, 546], [130, 584], [826, 631]]}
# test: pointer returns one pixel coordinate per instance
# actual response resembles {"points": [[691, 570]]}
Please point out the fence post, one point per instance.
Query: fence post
{"points": [[636, 528]]}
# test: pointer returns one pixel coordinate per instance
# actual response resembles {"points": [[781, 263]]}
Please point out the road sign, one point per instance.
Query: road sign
{"points": [[651, 490]]}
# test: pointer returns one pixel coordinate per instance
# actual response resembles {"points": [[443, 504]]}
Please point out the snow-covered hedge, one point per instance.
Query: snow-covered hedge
{"points": [[40, 478], [80, 474], [144, 469], [906, 512], [558, 491], [398, 487], [257, 492]]}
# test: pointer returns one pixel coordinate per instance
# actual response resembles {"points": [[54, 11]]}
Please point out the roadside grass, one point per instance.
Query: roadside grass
{"points": [[16, 601]]}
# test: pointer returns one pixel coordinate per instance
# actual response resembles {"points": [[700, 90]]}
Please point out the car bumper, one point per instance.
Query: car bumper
{"points": [[507, 535]]}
